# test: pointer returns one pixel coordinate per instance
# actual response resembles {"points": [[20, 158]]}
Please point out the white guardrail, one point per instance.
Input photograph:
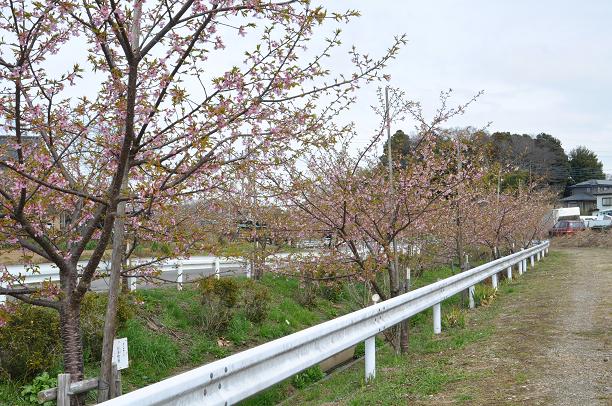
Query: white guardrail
{"points": [[239, 376], [197, 265]]}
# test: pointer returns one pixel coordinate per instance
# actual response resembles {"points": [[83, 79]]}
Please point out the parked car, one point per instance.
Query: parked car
{"points": [[565, 227]]}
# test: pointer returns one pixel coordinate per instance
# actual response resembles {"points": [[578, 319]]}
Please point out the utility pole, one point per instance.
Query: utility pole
{"points": [[498, 184], [106, 387], [391, 183], [398, 286], [460, 254]]}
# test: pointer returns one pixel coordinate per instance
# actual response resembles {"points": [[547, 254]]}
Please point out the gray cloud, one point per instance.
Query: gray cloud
{"points": [[545, 66]]}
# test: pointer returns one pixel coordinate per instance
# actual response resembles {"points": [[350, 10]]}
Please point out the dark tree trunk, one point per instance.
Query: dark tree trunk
{"points": [[70, 330], [70, 319]]}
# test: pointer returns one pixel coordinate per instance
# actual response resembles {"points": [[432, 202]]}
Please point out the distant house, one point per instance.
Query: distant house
{"points": [[591, 196], [604, 201]]}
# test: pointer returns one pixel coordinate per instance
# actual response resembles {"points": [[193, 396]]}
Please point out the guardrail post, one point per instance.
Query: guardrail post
{"points": [[248, 270], [132, 283], [217, 268], [63, 387], [532, 262], [2, 297], [509, 273], [520, 267], [370, 358], [494, 280], [471, 295], [437, 318], [179, 275]]}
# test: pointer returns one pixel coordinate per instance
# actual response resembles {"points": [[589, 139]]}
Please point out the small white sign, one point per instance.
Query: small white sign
{"points": [[120, 353]]}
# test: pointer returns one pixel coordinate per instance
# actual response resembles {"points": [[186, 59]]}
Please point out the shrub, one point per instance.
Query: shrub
{"points": [[41, 382], [332, 291], [484, 295], [306, 377], [227, 289], [91, 245], [219, 297], [161, 248], [454, 318], [93, 311], [29, 342], [306, 295], [256, 302]]}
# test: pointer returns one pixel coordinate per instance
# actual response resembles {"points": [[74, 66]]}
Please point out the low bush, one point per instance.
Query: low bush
{"points": [[455, 317], [219, 297], [332, 291], [484, 295], [308, 376], [29, 342], [256, 302], [41, 382], [93, 311], [227, 289], [306, 295]]}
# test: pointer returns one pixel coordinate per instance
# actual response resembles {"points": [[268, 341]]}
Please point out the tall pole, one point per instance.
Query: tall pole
{"points": [[459, 219], [498, 184], [106, 387], [391, 184], [458, 212], [398, 286], [388, 123]]}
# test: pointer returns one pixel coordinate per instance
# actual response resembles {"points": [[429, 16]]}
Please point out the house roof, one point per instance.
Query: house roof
{"points": [[593, 182], [609, 192], [580, 197]]}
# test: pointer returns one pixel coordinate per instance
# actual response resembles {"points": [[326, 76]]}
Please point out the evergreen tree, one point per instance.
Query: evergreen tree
{"points": [[400, 149], [585, 165]]}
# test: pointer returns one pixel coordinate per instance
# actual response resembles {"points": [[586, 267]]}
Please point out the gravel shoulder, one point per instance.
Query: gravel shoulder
{"points": [[552, 339]]}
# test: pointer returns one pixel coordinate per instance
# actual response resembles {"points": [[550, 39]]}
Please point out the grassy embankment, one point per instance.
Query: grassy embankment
{"points": [[433, 363], [165, 339]]}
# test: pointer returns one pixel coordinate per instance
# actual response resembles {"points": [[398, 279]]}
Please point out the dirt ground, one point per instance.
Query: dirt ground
{"points": [[552, 340]]}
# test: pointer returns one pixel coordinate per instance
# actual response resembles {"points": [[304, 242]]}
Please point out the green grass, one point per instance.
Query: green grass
{"points": [[10, 392], [164, 339], [424, 371]]}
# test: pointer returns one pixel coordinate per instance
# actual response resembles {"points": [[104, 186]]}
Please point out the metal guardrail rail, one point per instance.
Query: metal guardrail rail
{"points": [[229, 380], [197, 265]]}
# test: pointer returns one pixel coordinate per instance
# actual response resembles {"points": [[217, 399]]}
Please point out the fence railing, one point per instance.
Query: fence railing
{"points": [[197, 265], [239, 376]]}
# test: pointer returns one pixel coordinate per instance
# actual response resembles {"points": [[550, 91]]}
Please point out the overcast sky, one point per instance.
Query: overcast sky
{"points": [[545, 66]]}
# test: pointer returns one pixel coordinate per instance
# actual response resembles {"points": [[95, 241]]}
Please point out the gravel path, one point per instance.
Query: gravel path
{"points": [[552, 341], [580, 370]]}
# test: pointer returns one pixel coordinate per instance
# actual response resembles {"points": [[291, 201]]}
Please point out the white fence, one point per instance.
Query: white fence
{"points": [[177, 268], [239, 376]]}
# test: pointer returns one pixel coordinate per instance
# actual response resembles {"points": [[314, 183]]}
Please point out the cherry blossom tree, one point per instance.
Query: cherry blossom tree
{"points": [[509, 220], [154, 103], [370, 214]]}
